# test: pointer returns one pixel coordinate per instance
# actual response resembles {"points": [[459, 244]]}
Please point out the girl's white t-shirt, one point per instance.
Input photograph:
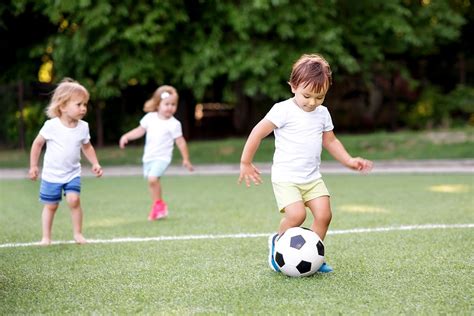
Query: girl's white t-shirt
{"points": [[62, 158], [160, 136], [298, 141]]}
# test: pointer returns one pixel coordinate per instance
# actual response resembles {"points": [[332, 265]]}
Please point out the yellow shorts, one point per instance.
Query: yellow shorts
{"points": [[287, 193]]}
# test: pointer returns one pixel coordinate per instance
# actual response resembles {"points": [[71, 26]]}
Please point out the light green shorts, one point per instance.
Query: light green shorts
{"points": [[287, 193]]}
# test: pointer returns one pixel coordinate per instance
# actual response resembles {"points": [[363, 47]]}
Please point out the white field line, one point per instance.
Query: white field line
{"points": [[257, 235]]}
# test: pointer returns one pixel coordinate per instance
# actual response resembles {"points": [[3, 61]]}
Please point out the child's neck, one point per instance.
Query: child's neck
{"points": [[67, 121], [162, 117]]}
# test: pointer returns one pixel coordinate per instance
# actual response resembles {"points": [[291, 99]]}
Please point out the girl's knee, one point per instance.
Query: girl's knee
{"points": [[73, 200], [153, 180], [51, 207]]}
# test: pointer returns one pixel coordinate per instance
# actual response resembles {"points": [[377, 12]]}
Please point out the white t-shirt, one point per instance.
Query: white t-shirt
{"points": [[61, 161], [298, 141], [160, 136]]}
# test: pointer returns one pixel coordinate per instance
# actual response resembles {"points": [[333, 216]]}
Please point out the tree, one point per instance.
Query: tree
{"points": [[17, 68], [108, 45], [239, 52]]}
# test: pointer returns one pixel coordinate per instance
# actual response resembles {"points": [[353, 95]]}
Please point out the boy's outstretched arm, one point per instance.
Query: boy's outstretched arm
{"points": [[248, 172], [135, 133], [90, 154], [337, 150], [183, 149], [35, 152]]}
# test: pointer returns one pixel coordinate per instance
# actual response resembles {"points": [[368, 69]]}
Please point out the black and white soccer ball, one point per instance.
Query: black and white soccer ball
{"points": [[299, 252]]}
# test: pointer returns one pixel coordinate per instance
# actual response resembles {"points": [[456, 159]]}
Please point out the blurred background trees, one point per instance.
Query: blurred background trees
{"points": [[396, 64]]}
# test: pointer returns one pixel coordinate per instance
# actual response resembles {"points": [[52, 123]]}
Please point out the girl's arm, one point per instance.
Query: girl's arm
{"points": [[248, 171], [35, 152], [90, 154], [337, 150], [132, 135], [183, 149]]}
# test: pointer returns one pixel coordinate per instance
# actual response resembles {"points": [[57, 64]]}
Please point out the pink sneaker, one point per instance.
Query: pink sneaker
{"points": [[155, 210], [163, 210]]}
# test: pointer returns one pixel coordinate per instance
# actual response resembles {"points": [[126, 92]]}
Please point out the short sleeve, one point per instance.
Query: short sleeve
{"points": [[277, 114], [86, 135], [328, 125], [145, 121], [177, 130], [47, 130]]}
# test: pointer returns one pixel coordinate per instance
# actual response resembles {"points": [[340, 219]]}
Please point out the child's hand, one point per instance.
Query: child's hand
{"points": [[97, 170], [123, 141], [361, 164], [248, 173], [33, 173], [187, 164]]}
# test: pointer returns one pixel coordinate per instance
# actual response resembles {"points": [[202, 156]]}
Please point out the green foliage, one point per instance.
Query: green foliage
{"points": [[33, 119], [245, 44], [111, 45], [461, 100], [436, 108], [225, 51]]}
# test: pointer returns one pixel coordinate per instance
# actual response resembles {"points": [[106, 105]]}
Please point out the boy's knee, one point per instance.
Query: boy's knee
{"points": [[296, 218], [325, 217]]}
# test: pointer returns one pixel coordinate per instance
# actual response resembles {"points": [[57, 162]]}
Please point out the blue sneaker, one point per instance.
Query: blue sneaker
{"points": [[271, 251], [325, 268]]}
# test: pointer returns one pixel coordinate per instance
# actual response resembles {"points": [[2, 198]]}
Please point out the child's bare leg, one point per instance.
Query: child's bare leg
{"points": [[155, 188], [74, 203], [49, 210], [321, 209], [295, 214]]}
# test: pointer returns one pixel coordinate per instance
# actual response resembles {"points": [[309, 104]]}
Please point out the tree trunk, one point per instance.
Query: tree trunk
{"points": [[462, 68], [21, 121], [393, 103], [99, 124], [241, 115], [185, 113]]}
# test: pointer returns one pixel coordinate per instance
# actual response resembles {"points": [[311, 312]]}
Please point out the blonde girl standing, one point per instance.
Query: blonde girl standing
{"points": [[65, 135]]}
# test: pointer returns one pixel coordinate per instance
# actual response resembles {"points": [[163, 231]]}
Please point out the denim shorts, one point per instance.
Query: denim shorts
{"points": [[50, 193], [155, 168]]}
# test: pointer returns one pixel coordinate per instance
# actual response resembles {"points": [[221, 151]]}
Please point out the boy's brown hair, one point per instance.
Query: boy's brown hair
{"points": [[311, 70]]}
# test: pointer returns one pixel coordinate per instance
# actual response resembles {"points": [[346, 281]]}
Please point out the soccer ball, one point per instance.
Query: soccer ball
{"points": [[299, 252]]}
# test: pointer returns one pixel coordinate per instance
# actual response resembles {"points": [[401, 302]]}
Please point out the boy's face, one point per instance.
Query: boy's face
{"points": [[306, 99]]}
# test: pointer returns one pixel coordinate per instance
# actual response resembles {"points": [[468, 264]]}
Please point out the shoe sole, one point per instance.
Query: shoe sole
{"points": [[325, 270], [271, 249], [163, 215]]}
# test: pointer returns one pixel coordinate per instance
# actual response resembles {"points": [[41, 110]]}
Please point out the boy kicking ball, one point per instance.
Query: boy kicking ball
{"points": [[302, 126]]}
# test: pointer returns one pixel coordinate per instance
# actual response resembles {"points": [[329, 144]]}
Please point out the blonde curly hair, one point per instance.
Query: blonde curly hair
{"points": [[66, 89], [163, 92]]}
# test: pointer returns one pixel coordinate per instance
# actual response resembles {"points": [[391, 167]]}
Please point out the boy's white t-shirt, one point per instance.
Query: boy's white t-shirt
{"points": [[298, 141], [160, 136], [61, 161]]}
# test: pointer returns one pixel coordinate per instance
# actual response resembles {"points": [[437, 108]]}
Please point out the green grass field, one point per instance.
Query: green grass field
{"points": [[422, 270]]}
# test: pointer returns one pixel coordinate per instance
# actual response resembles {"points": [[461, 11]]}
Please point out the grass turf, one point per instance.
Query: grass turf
{"points": [[397, 272], [405, 145]]}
